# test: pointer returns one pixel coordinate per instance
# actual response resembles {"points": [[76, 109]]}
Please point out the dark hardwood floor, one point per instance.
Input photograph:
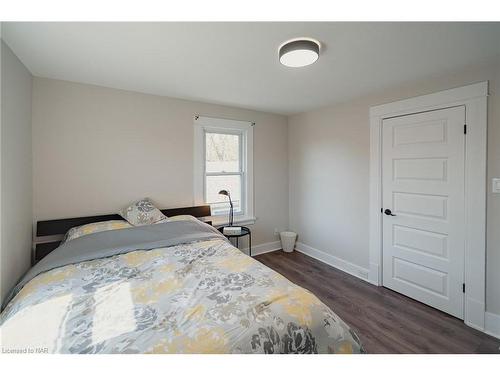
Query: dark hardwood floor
{"points": [[386, 321]]}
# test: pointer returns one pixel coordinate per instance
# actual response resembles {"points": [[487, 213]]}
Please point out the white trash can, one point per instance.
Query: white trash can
{"points": [[288, 241]]}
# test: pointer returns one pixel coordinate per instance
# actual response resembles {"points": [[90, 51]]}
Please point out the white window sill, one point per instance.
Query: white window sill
{"points": [[219, 221]]}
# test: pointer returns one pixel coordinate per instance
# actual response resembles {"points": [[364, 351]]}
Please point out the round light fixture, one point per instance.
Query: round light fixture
{"points": [[299, 52]]}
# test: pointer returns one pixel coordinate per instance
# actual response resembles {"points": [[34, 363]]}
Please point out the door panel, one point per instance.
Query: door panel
{"points": [[423, 185], [423, 132], [421, 241], [416, 275], [420, 169], [422, 205]]}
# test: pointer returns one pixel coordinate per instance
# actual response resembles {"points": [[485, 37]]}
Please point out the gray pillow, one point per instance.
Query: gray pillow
{"points": [[142, 212]]}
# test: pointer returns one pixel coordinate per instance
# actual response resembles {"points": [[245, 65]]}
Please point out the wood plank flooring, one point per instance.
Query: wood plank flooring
{"points": [[386, 321]]}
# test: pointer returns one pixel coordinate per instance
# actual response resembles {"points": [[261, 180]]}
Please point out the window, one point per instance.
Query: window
{"points": [[223, 161], [223, 170]]}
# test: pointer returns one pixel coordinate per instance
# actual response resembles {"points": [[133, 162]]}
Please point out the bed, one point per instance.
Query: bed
{"points": [[173, 287]]}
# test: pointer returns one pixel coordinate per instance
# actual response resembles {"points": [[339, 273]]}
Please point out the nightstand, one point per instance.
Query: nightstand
{"points": [[244, 232]]}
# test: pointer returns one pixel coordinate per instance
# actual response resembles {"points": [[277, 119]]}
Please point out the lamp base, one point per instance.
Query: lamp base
{"points": [[231, 230]]}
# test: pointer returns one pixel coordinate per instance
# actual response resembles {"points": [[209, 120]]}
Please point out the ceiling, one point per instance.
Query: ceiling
{"points": [[237, 63]]}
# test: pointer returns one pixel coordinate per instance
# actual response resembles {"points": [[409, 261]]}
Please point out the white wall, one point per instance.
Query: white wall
{"points": [[16, 170], [97, 149], [329, 172]]}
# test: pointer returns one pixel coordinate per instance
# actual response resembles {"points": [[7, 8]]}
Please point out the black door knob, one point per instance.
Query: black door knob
{"points": [[388, 212]]}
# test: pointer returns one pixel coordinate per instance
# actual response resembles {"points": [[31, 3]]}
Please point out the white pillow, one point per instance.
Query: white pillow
{"points": [[101, 226]]}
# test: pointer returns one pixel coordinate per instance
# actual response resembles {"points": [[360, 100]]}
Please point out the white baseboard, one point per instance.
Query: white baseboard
{"points": [[474, 313], [374, 274], [264, 248], [333, 261], [492, 324]]}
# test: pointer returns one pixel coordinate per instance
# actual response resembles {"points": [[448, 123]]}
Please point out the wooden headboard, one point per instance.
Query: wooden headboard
{"points": [[49, 233]]}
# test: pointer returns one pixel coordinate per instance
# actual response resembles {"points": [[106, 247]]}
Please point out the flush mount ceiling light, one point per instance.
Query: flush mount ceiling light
{"points": [[299, 52]]}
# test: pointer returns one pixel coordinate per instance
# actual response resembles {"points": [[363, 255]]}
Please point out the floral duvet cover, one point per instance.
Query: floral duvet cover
{"points": [[199, 297]]}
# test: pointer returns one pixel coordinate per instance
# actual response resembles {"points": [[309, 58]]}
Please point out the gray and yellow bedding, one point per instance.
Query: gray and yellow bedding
{"points": [[179, 288]]}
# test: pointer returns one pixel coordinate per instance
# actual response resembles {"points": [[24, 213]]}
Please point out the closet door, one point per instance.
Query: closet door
{"points": [[423, 158]]}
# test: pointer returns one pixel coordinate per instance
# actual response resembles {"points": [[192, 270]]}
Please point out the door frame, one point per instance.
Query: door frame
{"points": [[474, 98]]}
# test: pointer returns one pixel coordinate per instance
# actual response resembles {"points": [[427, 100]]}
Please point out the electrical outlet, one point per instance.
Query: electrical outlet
{"points": [[495, 186], [276, 232]]}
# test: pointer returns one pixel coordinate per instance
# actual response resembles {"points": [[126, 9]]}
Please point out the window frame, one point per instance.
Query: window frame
{"points": [[203, 125]]}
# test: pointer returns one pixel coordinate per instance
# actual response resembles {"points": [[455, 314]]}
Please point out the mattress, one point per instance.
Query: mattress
{"points": [[177, 288]]}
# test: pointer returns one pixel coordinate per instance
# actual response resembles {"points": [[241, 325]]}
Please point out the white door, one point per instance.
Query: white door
{"points": [[423, 158]]}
